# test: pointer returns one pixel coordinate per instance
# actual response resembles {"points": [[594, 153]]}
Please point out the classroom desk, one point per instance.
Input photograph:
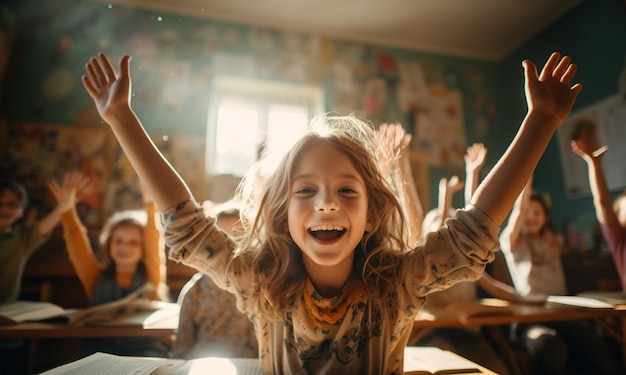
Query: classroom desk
{"points": [[221, 365], [34, 331], [517, 313], [484, 312]]}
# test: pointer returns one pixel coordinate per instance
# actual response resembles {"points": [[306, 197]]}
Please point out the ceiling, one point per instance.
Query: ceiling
{"points": [[477, 29]]}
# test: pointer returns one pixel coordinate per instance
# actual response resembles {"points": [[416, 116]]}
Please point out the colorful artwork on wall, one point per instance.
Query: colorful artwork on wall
{"points": [[39, 153]]}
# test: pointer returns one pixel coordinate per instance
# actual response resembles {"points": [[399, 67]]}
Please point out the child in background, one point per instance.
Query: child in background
{"points": [[533, 249], [19, 241], [395, 163], [611, 215], [133, 250], [324, 271], [468, 342], [210, 324]]}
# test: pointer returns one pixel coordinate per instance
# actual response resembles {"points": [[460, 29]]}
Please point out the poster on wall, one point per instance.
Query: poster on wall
{"points": [[435, 117], [608, 119], [38, 153]]}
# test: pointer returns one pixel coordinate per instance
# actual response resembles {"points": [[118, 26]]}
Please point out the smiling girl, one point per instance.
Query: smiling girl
{"points": [[322, 269], [132, 246]]}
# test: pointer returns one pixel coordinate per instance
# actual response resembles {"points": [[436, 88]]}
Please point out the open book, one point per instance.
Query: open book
{"points": [[427, 360], [577, 301], [134, 309], [615, 298], [417, 361], [109, 364]]}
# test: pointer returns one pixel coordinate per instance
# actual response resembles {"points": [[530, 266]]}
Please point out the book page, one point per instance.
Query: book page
{"points": [[132, 310], [426, 360], [21, 311], [129, 305], [147, 314], [222, 366], [109, 364], [577, 301], [615, 298]]}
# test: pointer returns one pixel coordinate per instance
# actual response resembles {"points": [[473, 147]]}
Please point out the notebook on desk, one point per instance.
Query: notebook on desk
{"points": [[109, 364], [426, 360], [418, 360], [556, 302], [132, 310], [615, 298]]}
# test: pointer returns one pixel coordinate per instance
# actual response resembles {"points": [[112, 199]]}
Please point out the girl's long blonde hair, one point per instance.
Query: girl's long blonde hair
{"points": [[276, 262]]}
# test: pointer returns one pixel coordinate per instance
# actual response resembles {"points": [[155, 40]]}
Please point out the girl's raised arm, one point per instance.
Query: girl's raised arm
{"points": [[475, 158], [550, 97], [513, 229], [111, 92], [602, 200], [393, 144]]}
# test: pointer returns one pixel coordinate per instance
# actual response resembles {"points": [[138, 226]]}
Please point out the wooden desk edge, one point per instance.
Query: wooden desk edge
{"points": [[35, 330]]}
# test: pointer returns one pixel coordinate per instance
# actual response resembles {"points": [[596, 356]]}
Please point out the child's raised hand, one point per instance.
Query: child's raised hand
{"points": [[475, 157], [551, 92], [74, 187], [393, 143], [108, 90], [451, 186], [587, 151]]}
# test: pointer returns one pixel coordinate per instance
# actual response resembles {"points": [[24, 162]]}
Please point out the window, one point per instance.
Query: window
{"points": [[248, 117]]}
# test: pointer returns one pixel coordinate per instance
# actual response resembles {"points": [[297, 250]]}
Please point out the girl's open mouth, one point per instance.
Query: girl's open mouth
{"points": [[327, 232]]}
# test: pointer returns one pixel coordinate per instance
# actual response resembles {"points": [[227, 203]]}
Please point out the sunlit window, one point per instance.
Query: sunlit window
{"points": [[237, 139], [285, 126], [248, 118]]}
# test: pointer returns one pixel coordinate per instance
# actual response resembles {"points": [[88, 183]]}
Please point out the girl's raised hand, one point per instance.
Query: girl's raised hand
{"points": [[74, 187], [585, 151], [551, 93], [109, 91], [393, 143], [475, 157], [451, 186]]}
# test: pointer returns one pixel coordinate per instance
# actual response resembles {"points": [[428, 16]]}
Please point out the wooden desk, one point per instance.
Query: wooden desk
{"points": [[518, 313], [60, 333], [468, 315], [35, 330]]}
